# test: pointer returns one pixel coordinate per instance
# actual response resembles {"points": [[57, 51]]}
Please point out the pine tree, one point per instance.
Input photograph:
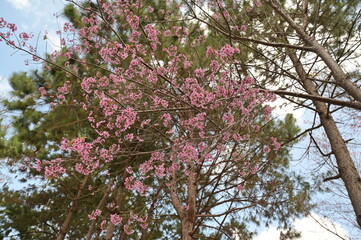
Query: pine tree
{"points": [[304, 50]]}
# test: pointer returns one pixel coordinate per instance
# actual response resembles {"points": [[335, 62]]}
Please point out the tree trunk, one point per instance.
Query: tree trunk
{"points": [[74, 205], [187, 229], [185, 213], [118, 200], [346, 166], [189, 212]]}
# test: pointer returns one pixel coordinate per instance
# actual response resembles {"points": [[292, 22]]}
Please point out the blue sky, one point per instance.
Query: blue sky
{"points": [[37, 17]]}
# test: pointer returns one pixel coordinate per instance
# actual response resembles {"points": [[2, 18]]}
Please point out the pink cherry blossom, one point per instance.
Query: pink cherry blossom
{"points": [[115, 219]]}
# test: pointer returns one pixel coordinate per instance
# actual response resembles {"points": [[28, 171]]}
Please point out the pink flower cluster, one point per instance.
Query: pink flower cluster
{"points": [[10, 29], [43, 91], [152, 34], [87, 83], [227, 51], [228, 118], [197, 95], [115, 219], [62, 91], [114, 52], [136, 185], [188, 152], [276, 145], [133, 21], [95, 214], [85, 149], [166, 119], [126, 119], [136, 218], [196, 122], [53, 168]]}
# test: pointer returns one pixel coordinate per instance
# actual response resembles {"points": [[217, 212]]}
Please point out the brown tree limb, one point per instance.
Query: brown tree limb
{"points": [[332, 178], [350, 104], [74, 206]]}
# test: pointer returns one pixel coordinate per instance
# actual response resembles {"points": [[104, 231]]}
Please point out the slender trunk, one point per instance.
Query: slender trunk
{"points": [[346, 166], [74, 205], [187, 228], [189, 213], [118, 200], [100, 206], [186, 214]]}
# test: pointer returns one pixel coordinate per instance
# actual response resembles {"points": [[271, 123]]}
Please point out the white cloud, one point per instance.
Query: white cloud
{"points": [[5, 87], [53, 41], [312, 227], [281, 107], [19, 4]]}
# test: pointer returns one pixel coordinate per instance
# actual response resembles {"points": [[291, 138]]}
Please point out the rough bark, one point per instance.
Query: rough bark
{"points": [[187, 213], [190, 211], [74, 205], [118, 199]]}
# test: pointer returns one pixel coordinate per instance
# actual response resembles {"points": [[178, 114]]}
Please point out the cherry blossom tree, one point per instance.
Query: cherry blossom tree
{"points": [[178, 123]]}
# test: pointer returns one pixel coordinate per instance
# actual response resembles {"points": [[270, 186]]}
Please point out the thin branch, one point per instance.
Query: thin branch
{"points": [[355, 105]]}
